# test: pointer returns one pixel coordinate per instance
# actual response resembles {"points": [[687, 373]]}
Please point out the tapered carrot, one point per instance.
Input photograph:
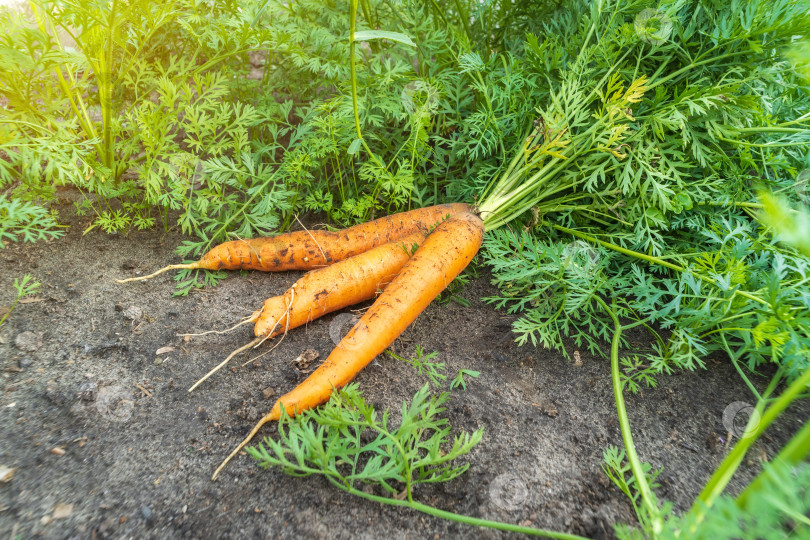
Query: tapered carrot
{"points": [[442, 256], [328, 289], [305, 250]]}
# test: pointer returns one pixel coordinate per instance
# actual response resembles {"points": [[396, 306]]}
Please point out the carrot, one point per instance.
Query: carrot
{"points": [[305, 250], [442, 256], [325, 290]]}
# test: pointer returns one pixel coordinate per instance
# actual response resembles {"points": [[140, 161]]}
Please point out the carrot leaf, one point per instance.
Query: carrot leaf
{"points": [[347, 441]]}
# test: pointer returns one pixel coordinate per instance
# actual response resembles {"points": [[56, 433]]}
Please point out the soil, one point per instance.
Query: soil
{"points": [[107, 443]]}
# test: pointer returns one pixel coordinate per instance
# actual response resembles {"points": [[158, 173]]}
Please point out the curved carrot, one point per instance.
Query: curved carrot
{"points": [[325, 290], [442, 256], [305, 250], [343, 284]]}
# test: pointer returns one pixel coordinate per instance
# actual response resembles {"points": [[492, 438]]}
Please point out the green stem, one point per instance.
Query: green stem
{"points": [[465, 19], [757, 425], [771, 129], [614, 247], [736, 204], [352, 69], [366, 14], [430, 510], [692, 66], [105, 89], [648, 258], [794, 452], [8, 313], [79, 109], [647, 496], [739, 369], [764, 145]]}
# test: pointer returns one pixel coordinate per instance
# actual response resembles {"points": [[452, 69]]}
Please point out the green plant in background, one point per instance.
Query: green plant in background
{"points": [[137, 112], [26, 221], [791, 226], [636, 182], [25, 287]]}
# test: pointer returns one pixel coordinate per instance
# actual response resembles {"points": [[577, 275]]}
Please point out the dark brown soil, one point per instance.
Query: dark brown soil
{"points": [[139, 450]]}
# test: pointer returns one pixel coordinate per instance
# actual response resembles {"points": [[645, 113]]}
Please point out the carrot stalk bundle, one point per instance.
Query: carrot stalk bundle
{"points": [[305, 250], [328, 289], [443, 255]]}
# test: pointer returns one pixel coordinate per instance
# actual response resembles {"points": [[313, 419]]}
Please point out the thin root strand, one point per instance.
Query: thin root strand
{"points": [[266, 352], [269, 417], [225, 362], [188, 266], [244, 321]]}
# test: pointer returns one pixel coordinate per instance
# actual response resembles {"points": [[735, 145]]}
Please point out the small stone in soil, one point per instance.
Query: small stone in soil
{"points": [[306, 358], [107, 525], [25, 361], [6, 473], [55, 396], [88, 391], [146, 512], [106, 347], [62, 510], [28, 341], [133, 313]]}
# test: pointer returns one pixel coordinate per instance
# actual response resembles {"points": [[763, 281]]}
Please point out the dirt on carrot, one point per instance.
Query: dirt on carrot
{"points": [[328, 289], [442, 256], [308, 249]]}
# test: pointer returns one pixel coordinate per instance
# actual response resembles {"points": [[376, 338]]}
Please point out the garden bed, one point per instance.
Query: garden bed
{"points": [[100, 427]]}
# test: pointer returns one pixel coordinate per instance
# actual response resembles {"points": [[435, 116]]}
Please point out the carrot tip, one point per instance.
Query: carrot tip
{"points": [[272, 415], [162, 270]]}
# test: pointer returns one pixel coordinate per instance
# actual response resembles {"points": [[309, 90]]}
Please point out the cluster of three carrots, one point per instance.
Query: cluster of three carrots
{"points": [[405, 260]]}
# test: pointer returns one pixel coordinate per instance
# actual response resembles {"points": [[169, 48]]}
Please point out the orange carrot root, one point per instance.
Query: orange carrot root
{"points": [[306, 250], [328, 289], [442, 256], [335, 287]]}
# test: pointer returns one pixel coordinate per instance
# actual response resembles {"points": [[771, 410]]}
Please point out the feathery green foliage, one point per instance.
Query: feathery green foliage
{"points": [[637, 181], [26, 286]]}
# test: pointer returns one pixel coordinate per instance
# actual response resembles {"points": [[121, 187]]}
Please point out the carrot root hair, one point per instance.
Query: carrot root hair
{"points": [[188, 266], [244, 321], [272, 415], [225, 362]]}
